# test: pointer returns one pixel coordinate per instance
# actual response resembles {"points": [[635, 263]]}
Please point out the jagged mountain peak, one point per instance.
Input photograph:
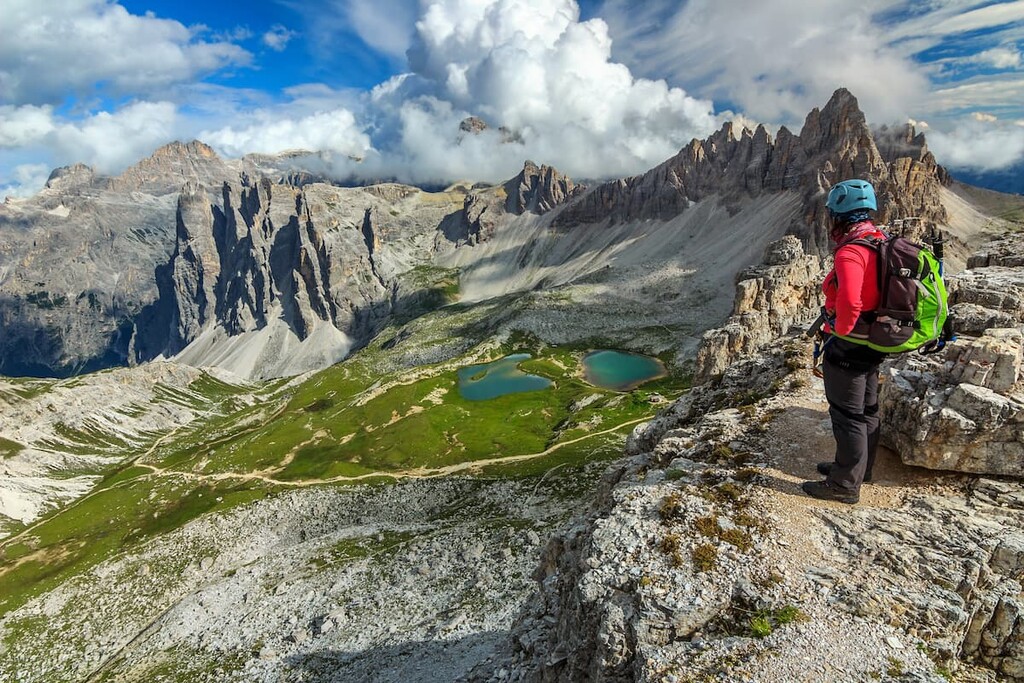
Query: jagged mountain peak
{"points": [[835, 143], [539, 189], [839, 127], [171, 166]]}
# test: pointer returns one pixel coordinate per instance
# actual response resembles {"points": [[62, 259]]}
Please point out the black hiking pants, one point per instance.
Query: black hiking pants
{"points": [[851, 388]]}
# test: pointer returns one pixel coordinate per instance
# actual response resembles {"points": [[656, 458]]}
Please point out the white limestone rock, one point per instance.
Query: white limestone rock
{"points": [[963, 411]]}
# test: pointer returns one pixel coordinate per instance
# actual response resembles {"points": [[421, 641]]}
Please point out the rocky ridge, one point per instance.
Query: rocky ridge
{"points": [[834, 143], [770, 299], [963, 409]]}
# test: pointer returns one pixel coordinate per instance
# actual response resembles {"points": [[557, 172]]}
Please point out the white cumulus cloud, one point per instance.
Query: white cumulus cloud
{"points": [[278, 37], [26, 125], [269, 132], [535, 68], [108, 141], [25, 181], [774, 60], [59, 46]]}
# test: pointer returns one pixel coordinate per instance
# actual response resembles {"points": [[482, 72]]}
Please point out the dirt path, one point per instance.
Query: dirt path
{"points": [[418, 473], [799, 437]]}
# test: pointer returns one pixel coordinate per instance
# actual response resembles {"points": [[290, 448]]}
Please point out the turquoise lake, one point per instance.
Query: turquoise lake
{"points": [[491, 380], [620, 371]]}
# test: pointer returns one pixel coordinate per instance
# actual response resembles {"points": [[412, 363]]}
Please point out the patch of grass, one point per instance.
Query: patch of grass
{"points": [[9, 448], [675, 475], [671, 507], [708, 526], [764, 622], [723, 452], [737, 538], [671, 545], [894, 668], [760, 627], [747, 475], [746, 520], [726, 493], [789, 614], [704, 557], [113, 519]]}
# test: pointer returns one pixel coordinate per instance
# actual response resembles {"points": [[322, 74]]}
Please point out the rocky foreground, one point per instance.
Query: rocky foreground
{"points": [[703, 561]]}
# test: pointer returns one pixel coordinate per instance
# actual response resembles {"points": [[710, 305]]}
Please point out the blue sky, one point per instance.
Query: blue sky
{"points": [[597, 88]]}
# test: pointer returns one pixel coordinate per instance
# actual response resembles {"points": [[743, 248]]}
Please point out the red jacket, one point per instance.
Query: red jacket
{"points": [[852, 286]]}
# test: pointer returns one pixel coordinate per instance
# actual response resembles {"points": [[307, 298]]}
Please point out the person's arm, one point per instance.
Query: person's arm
{"points": [[828, 287], [851, 264]]}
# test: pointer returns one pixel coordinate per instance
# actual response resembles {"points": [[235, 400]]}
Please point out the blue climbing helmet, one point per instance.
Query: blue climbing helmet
{"points": [[851, 195]]}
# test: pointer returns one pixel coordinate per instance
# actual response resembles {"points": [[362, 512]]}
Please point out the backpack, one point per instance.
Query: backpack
{"points": [[913, 311]]}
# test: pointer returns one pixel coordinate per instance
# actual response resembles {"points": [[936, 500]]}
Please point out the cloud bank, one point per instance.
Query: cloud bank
{"points": [[531, 66], [979, 143], [108, 141], [772, 60]]}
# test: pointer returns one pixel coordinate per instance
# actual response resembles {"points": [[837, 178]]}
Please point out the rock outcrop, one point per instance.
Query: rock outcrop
{"points": [[770, 299], [700, 560], [963, 411], [990, 293]]}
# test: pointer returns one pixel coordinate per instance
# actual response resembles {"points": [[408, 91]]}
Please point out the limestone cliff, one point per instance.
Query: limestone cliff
{"points": [[770, 299], [287, 260]]}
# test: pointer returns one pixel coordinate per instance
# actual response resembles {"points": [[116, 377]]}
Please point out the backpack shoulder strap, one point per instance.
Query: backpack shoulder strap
{"points": [[878, 244]]}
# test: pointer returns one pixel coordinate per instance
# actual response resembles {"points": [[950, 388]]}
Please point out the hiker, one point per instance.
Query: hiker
{"points": [[850, 370]]}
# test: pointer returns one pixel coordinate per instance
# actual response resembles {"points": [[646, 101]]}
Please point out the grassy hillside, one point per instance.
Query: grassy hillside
{"points": [[352, 424]]}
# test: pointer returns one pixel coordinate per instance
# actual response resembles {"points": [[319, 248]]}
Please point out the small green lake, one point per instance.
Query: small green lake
{"points": [[620, 371], [491, 380]]}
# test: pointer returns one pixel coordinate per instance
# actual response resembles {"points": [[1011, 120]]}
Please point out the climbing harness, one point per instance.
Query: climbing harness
{"points": [[821, 340]]}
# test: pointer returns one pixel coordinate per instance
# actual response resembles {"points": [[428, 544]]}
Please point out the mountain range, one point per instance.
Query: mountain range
{"points": [[236, 263]]}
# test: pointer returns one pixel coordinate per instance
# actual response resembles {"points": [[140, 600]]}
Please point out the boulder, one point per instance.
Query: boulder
{"points": [[962, 411], [986, 297]]}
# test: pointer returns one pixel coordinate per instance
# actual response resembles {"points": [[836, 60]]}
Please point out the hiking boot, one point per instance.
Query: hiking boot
{"points": [[825, 490], [825, 469]]}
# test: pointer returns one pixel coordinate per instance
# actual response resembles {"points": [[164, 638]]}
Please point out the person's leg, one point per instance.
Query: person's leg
{"points": [[846, 392], [872, 419]]}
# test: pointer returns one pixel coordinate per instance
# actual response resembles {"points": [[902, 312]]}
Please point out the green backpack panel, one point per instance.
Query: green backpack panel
{"points": [[914, 306]]}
